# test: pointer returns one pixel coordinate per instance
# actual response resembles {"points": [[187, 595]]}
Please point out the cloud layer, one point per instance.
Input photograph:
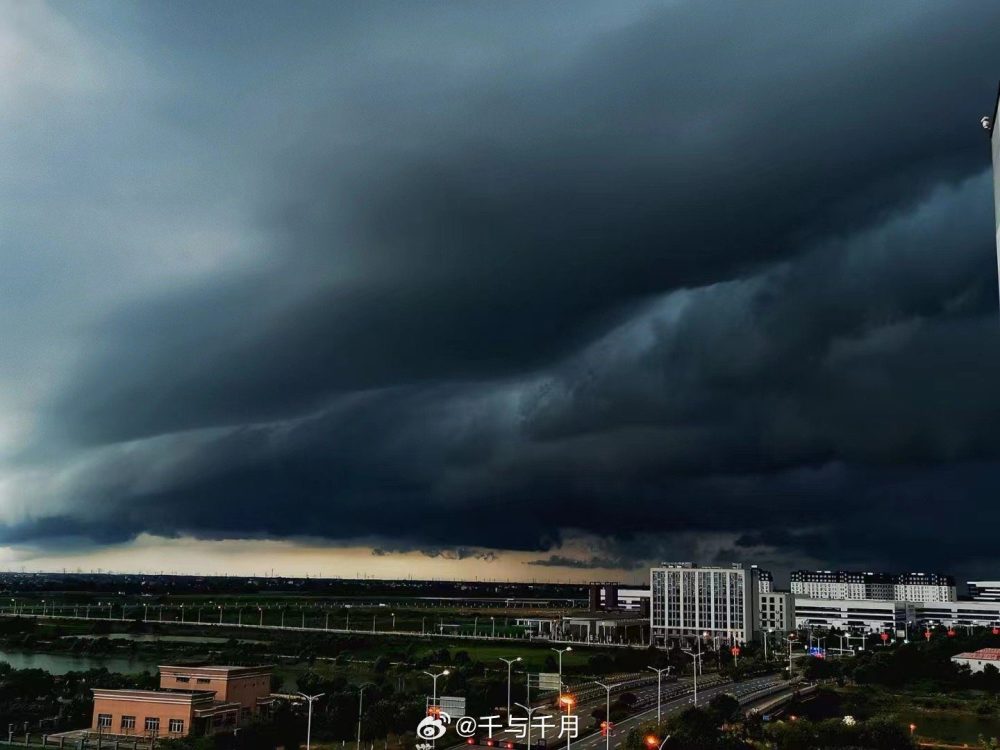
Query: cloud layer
{"points": [[479, 277]]}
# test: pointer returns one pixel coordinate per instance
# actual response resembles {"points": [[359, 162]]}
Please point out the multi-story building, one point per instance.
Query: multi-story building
{"points": [[984, 591], [190, 700], [924, 587], [691, 601], [845, 585], [854, 615], [765, 580], [959, 614], [777, 611]]}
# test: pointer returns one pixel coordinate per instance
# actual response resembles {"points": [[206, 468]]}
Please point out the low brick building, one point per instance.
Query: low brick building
{"points": [[190, 700]]}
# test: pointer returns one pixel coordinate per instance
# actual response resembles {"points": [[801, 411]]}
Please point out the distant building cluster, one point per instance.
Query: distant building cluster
{"points": [[850, 585], [736, 603]]}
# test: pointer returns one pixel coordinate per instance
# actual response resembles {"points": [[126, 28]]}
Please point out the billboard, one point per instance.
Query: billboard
{"points": [[549, 681]]}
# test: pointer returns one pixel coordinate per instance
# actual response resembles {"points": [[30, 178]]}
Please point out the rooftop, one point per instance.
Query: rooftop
{"points": [[983, 654]]}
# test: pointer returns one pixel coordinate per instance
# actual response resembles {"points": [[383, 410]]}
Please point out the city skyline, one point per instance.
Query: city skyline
{"points": [[498, 290]]}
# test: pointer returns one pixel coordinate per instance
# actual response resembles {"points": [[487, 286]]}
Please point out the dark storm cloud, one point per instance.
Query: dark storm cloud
{"points": [[493, 226], [712, 268]]}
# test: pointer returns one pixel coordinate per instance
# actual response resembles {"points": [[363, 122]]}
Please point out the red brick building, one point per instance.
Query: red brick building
{"points": [[190, 700]]}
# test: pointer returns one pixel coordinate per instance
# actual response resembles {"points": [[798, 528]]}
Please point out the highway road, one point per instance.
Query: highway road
{"points": [[676, 696]]}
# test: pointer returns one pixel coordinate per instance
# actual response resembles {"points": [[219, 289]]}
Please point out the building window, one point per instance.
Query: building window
{"points": [[184, 679], [128, 722], [104, 721], [152, 724], [204, 680], [176, 726]]}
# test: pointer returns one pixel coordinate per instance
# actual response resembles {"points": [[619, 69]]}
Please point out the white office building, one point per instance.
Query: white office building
{"points": [[846, 585], [984, 614], [984, 591], [777, 611], [691, 601]]}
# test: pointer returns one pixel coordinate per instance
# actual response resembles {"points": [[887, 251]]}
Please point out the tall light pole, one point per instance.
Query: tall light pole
{"points": [[309, 722], [790, 640], [529, 711], [510, 667], [607, 716], [695, 657], [659, 688], [361, 702], [493, 627], [561, 651], [568, 701], [434, 691]]}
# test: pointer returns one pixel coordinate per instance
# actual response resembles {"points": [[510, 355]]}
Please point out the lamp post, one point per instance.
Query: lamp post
{"points": [[393, 620], [510, 667], [529, 711], [561, 651], [493, 627], [567, 701], [220, 622], [659, 685], [607, 716], [309, 721], [695, 657], [434, 690], [790, 640], [361, 701]]}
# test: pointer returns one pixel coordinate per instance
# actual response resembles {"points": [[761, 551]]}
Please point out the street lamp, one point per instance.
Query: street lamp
{"points": [[695, 657], [309, 721], [510, 667], [434, 691], [529, 711], [561, 651], [659, 686], [361, 701], [568, 701], [607, 716], [493, 627]]}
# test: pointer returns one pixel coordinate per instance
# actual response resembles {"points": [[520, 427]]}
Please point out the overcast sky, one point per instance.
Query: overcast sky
{"points": [[515, 290]]}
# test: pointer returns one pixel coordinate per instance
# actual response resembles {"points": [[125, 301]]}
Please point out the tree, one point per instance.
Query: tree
{"points": [[723, 707]]}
